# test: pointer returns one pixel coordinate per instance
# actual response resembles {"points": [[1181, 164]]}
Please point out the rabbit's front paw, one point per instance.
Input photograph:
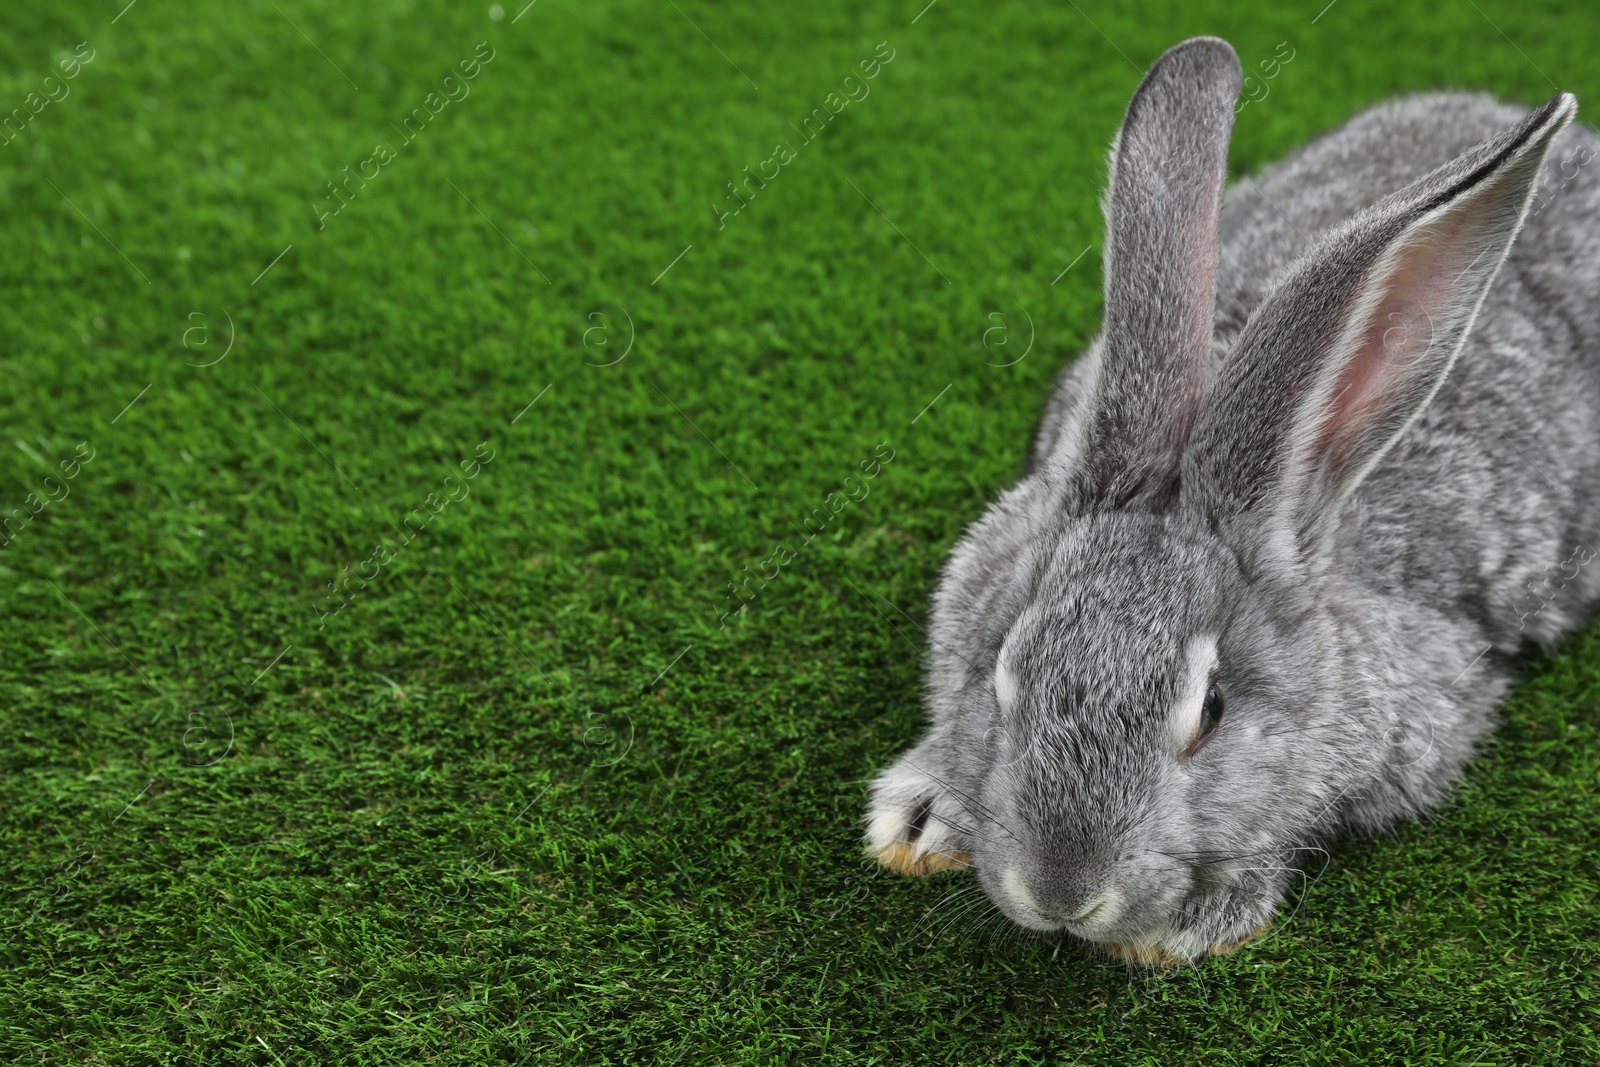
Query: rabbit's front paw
{"points": [[913, 824], [1154, 955]]}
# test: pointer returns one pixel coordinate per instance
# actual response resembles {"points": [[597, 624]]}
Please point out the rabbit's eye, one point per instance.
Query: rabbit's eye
{"points": [[1210, 713]]}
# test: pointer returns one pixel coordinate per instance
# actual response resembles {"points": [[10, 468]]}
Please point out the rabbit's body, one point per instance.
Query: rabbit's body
{"points": [[1461, 544], [1352, 559]]}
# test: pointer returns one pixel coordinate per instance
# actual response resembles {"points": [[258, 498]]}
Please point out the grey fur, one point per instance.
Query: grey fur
{"points": [[1354, 521]]}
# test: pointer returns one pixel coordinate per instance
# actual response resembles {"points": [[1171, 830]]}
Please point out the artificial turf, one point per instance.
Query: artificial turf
{"points": [[529, 794]]}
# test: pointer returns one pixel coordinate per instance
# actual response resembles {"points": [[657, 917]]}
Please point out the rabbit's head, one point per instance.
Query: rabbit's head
{"points": [[1144, 710]]}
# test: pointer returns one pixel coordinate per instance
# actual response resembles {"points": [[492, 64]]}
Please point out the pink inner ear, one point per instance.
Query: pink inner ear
{"points": [[1200, 267], [1426, 285]]}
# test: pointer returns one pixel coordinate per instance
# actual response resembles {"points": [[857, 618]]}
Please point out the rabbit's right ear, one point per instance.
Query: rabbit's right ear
{"points": [[1168, 168], [1338, 361]]}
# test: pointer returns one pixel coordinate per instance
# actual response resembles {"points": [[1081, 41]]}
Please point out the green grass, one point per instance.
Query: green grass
{"points": [[523, 800]]}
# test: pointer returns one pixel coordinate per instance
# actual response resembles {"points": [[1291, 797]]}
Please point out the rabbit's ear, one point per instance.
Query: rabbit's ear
{"points": [[1360, 335], [1168, 167]]}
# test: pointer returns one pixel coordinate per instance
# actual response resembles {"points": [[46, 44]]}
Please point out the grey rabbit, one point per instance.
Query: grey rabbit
{"points": [[1264, 576]]}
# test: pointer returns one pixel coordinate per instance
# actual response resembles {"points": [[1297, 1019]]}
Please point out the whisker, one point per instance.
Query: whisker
{"points": [[967, 801], [978, 918], [960, 913], [948, 901], [969, 831]]}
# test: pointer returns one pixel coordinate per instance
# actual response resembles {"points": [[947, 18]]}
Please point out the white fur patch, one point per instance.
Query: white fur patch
{"points": [[1184, 717], [1011, 882], [1005, 682], [1102, 910], [1005, 685], [896, 795]]}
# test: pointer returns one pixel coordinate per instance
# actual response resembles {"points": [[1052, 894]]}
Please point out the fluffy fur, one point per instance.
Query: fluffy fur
{"points": [[1334, 426]]}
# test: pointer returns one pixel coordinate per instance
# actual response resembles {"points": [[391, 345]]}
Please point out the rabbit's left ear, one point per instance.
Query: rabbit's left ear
{"points": [[1360, 335], [1167, 173]]}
